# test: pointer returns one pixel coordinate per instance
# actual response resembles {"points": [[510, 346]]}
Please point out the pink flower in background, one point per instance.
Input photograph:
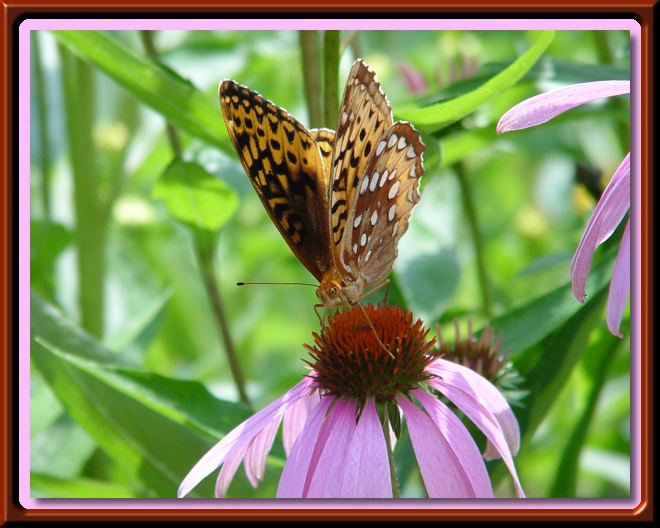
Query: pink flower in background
{"points": [[333, 435], [613, 204], [415, 81]]}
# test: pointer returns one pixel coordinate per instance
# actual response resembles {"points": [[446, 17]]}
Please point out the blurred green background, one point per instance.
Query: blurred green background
{"points": [[130, 383]]}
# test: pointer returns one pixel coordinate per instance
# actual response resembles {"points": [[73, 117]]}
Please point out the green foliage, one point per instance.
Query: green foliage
{"points": [[130, 384], [196, 198]]}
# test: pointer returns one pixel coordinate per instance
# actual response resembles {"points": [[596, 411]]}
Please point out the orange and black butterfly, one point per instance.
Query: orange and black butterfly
{"points": [[342, 199]]}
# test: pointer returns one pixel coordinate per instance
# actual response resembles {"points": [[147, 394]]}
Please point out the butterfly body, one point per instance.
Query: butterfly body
{"points": [[340, 200]]}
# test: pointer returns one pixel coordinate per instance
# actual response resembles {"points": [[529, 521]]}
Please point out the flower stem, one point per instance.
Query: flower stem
{"points": [[473, 223], [311, 58], [331, 45], [204, 255], [396, 494]]}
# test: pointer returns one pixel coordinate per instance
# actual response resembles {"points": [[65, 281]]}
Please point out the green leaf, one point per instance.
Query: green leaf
{"points": [[156, 427], [183, 105], [195, 197], [599, 359], [530, 323], [47, 241], [47, 486], [440, 115]]}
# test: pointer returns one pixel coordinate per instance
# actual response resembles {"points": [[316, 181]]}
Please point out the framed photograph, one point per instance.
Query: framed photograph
{"points": [[297, 265]]}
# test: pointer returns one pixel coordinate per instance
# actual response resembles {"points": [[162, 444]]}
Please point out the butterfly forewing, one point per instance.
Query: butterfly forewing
{"points": [[364, 116], [387, 191], [286, 164]]}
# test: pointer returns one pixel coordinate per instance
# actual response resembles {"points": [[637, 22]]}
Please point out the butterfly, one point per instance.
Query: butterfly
{"points": [[341, 200]]}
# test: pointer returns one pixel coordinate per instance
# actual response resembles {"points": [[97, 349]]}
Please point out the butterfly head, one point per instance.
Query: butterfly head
{"points": [[333, 292]]}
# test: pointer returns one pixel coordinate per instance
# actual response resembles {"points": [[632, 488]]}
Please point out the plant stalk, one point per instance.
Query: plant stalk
{"points": [[396, 493], [473, 222], [331, 47], [204, 254], [42, 124], [311, 60]]}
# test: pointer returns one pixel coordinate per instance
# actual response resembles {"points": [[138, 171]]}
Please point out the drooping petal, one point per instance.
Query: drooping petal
{"points": [[239, 438], [260, 446], [366, 469], [620, 285], [460, 442], [483, 391], [442, 473], [545, 106], [295, 419], [325, 476], [228, 470], [296, 469], [607, 215], [485, 421]]}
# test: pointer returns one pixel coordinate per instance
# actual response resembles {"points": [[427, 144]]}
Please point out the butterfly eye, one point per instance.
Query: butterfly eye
{"points": [[334, 291]]}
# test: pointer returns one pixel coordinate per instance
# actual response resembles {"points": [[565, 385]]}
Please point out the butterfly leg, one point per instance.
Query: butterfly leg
{"points": [[318, 315], [386, 284]]}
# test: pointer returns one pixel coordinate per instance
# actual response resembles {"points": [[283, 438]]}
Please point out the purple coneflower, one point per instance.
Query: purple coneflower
{"points": [[613, 204], [337, 422]]}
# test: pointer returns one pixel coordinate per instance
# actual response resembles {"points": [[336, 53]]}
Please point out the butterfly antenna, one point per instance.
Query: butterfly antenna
{"points": [[276, 284], [373, 329]]}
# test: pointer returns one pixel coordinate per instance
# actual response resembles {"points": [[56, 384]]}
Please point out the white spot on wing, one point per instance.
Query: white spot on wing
{"points": [[393, 139], [392, 175], [374, 181], [363, 239], [344, 117], [391, 213], [357, 221], [413, 174], [379, 149], [402, 143], [382, 179], [366, 257], [393, 190], [374, 218], [354, 248], [365, 184], [411, 152]]}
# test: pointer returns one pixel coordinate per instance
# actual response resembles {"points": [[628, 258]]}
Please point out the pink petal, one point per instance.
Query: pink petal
{"points": [[460, 442], [486, 422], [296, 469], [443, 474], [326, 474], [607, 215], [260, 446], [238, 438], [545, 106], [414, 80], [620, 285], [295, 419], [487, 394], [228, 470], [367, 469]]}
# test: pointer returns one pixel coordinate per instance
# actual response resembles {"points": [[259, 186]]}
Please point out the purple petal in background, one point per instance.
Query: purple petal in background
{"points": [[367, 469], [414, 80], [620, 285], [545, 106], [609, 211]]}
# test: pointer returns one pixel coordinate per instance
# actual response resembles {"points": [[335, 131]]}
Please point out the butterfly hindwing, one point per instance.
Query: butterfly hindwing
{"points": [[387, 191], [286, 164], [364, 116]]}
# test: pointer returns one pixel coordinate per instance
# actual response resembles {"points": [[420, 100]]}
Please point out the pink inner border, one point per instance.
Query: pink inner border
{"points": [[350, 24]]}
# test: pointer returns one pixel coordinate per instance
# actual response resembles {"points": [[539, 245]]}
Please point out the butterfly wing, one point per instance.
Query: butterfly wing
{"points": [[387, 192], [364, 116], [285, 164]]}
